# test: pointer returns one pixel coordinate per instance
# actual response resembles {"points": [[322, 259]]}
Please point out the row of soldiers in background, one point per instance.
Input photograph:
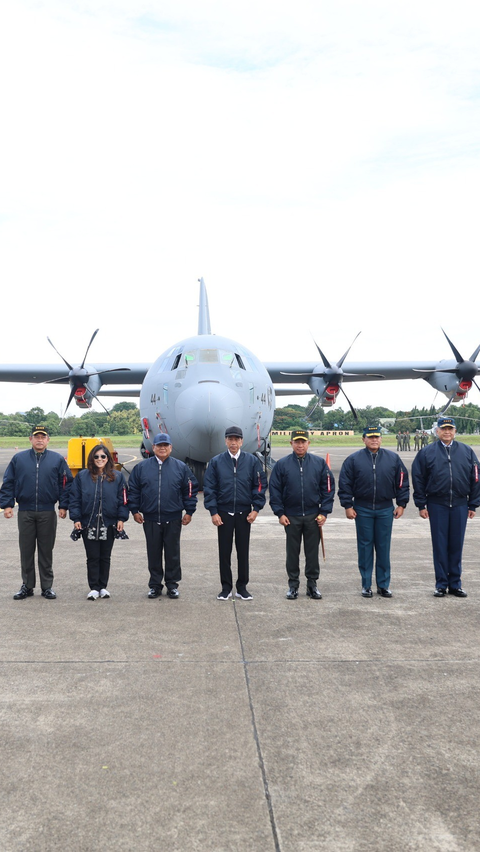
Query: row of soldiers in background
{"points": [[420, 439]]}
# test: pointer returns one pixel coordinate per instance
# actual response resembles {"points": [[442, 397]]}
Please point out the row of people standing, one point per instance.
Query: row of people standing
{"points": [[162, 497]]}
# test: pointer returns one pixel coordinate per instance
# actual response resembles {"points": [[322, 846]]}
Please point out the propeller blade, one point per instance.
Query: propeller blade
{"points": [[94, 395], [61, 356], [454, 349], [474, 356], [88, 347], [317, 375], [368, 375], [350, 404], [103, 372], [314, 408], [72, 394], [50, 381], [342, 359], [326, 363], [449, 402], [445, 370]]}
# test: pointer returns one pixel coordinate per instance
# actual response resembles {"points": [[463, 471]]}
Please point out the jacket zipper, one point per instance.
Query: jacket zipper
{"points": [[300, 462], [234, 484], [39, 458], [451, 475], [374, 464], [159, 490]]}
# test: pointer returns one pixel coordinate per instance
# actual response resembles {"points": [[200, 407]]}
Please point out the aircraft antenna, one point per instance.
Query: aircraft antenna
{"points": [[203, 311]]}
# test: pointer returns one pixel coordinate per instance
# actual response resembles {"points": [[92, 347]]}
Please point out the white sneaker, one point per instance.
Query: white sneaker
{"points": [[93, 595], [104, 593]]}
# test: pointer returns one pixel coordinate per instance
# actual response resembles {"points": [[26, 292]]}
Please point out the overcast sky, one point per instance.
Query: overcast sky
{"points": [[316, 162]]}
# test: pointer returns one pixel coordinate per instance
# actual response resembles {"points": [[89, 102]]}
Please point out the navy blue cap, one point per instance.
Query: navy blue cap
{"points": [[162, 438], [372, 432], [446, 421]]}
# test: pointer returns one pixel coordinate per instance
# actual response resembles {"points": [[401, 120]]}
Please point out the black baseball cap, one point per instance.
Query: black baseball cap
{"points": [[299, 435], [40, 430], [233, 432], [372, 432]]}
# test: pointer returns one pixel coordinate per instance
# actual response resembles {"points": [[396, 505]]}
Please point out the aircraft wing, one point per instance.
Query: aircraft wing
{"points": [[47, 372], [355, 371]]}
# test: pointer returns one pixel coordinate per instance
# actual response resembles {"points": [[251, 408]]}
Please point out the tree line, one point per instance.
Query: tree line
{"points": [[467, 418], [123, 419]]}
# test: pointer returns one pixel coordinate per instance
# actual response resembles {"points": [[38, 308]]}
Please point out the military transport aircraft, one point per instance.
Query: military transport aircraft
{"points": [[203, 384]]}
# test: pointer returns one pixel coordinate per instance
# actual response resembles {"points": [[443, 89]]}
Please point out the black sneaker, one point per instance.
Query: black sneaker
{"points": [[23, 592], [313, 592], [439, 593], [457, 593], [49, 594], [244, 595], [173, 593], [224, 595], [154, 593], [292, 594], [367, 593]]}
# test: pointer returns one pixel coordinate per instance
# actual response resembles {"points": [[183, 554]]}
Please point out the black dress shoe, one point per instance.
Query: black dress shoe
{"points": [[22, 593], [385, 593], [49, 594], [313, 592], [292, 594], [439, 593], [458, 593], [173, 593], [367, 593], [154, 593]]}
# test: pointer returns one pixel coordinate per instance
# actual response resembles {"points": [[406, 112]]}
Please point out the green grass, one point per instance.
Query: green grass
{"points": [[57, 441], [118, 441]]}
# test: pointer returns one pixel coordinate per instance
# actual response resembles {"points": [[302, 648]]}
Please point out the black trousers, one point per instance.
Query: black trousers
{"points": [[234, 526], [98, 560], [36, 531], [163, 542], [302, 528], [447, 528]]}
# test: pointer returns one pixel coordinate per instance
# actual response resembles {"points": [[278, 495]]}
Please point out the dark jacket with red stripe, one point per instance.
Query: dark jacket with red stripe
{"points": [[36, 483], [301, 487], [234, 485], [447, 478], [89, 497], [373, 480], [162, 491]]}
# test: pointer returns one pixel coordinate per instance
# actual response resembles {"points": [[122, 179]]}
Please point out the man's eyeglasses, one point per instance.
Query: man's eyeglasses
{"points": [[101, 456]]}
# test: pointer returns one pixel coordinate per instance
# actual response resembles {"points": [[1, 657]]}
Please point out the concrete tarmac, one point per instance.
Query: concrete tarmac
{"points": [[345, 725]]}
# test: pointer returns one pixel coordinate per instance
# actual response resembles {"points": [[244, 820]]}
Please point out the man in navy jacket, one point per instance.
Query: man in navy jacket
{"points": [[37, 479], [446, 490], [369, 482], [159, 490], [234, 492], [302, 489]]}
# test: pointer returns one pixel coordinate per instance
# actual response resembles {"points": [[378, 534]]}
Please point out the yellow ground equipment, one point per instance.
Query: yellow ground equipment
{"points": [[79, 449]]}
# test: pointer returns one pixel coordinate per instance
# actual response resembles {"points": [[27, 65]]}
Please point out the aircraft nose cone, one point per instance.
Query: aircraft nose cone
{"points": [[203, 412]]}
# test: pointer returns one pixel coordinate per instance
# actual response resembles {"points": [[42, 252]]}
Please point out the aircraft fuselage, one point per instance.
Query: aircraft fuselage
{"points": [[199, 387]]}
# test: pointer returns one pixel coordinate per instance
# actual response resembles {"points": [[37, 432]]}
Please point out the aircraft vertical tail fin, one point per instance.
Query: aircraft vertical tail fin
{"points": [[203, 312]]}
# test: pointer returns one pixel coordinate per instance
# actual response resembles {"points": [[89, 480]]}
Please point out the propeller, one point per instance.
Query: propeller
{"points": [[334, 375], [78, 376], [465, 369]]}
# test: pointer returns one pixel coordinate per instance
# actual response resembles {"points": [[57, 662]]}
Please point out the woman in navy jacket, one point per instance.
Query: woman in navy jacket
{"points": [[98, 507]]}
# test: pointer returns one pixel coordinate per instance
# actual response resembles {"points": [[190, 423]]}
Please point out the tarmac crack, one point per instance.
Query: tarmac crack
{"points": [[256, 737]]}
